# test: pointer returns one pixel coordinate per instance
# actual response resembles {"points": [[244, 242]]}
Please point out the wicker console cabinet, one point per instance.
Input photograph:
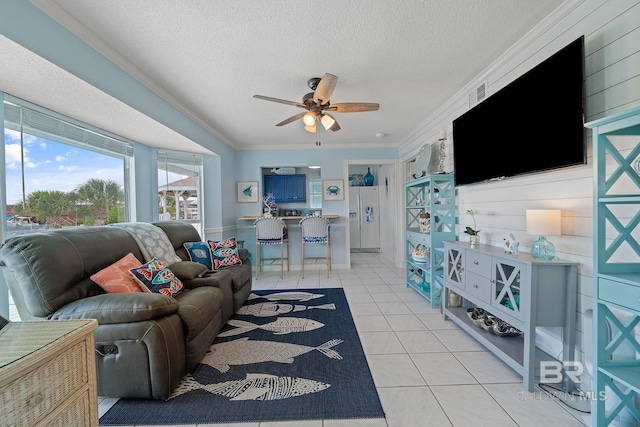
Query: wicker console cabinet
{"points": [[48, 374]]}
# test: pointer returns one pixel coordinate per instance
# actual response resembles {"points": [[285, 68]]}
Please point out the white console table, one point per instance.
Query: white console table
{"points": [[518, 289]]}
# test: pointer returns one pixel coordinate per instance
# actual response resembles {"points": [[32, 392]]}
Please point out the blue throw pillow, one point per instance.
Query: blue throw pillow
{"points": [[199, 252]]}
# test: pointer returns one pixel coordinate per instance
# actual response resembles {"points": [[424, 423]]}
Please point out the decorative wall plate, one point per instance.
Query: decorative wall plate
{"points": [[422, 161]]}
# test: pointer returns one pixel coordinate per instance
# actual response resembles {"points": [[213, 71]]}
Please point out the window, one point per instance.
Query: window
{"points": [[179, 187], [315, 194], [60, 172]]}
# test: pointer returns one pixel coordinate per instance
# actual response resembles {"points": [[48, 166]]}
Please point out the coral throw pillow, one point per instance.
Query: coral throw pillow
{"points": [[116, 278], [224, 253], [156, 277]]}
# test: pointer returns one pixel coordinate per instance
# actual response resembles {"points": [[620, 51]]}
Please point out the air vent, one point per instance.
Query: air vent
{"points": [[478, 95]]}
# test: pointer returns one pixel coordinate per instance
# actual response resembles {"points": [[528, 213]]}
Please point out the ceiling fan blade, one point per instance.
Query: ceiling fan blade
{"points": [[291, 119], [352, 107], [281, 101], [325, 89]]}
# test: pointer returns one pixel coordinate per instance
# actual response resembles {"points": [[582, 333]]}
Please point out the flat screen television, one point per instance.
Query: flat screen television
{"points": [[534, 124]]}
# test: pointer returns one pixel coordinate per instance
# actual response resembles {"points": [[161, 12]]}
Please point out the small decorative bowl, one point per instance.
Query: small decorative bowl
{"points": [[417, 258]]}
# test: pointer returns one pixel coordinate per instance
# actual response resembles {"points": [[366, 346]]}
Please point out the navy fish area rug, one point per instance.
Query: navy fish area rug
{"points": [[285, 355]]}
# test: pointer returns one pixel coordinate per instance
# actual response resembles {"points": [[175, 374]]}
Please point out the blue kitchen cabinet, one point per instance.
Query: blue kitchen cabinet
{"points": [[286, 188]]}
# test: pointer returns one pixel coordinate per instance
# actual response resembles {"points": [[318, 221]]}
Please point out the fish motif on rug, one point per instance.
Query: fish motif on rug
{"points": [[244, 351], [269, 309], [284, 325], [254, 387], [288, 296]]}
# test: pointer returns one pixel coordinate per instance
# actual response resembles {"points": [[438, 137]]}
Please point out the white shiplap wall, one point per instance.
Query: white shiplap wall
{"points": [[612, 70]]}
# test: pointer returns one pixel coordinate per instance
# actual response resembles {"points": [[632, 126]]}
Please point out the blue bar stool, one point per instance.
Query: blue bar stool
{"points": [[271, 231], [315, 230]]}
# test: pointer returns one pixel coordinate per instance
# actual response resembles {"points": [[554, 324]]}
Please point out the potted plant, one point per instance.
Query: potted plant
{"points": [[473, 232]]}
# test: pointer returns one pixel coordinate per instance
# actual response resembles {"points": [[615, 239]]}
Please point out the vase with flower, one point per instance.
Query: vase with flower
{"points": [[474, 233]]}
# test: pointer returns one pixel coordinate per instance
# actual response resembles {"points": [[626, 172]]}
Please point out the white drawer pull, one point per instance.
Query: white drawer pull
{"points": [[475, 285], [476, 262]]}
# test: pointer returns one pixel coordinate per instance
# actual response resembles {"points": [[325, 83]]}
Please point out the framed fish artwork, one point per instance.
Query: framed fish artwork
{"points": [[248, 191]]}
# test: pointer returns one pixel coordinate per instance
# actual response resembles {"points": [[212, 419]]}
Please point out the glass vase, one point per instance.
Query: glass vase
{"points": [[368, 178]]}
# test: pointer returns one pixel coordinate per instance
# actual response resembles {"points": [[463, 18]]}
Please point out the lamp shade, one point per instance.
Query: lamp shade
{"points": [[327, 121], [309, 119], [543, 222]]}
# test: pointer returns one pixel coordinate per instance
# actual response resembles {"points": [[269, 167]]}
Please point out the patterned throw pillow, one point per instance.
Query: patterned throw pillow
{"points": [[116, 278], [199, 252], [152, 240], [154, 276], [224, 253]]}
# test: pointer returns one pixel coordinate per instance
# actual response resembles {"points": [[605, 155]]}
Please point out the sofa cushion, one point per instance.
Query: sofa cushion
{"points": [[156, 277], [224, 253], [51, 268], [199, 252], [197, 307], [118, 308], [188, 270], [179, 232], [116, 278], [240, 276]]}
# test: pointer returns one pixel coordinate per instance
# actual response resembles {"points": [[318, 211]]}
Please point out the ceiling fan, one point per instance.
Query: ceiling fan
{"points": [[318, 106]]}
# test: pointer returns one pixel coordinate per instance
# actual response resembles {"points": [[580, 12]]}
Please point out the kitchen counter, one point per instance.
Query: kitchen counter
{"points": [[253, 218]]}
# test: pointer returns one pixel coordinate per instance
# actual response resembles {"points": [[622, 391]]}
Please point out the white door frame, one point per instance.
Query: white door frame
{"points": [[396, 187]]}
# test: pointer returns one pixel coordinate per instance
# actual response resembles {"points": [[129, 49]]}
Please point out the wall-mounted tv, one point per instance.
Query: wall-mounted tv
{"points": [[534, 124]]}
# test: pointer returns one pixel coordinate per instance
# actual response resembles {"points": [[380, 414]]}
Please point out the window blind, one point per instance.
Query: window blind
{"points": [[45, 124], [187, 164]]}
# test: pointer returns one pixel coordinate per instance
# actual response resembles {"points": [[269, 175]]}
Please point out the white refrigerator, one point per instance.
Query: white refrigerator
{"points": [[364, 217]]}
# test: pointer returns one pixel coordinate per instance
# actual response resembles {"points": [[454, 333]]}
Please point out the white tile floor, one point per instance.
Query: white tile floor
{"points": [[427, 371]]}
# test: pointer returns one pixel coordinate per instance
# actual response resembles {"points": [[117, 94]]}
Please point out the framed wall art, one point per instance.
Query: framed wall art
{"points": [[356, 180], [332, 189], [247, 192]]}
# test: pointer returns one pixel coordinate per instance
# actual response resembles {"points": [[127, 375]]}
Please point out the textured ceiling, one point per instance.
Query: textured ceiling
{"points": [[208, 58]]}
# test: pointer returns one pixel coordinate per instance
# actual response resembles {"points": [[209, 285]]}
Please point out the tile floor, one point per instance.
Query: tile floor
{"points": [[428, 372]]}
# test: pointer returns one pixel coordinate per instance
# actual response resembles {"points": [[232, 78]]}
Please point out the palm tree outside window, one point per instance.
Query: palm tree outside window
{"points": [[60, 172]]}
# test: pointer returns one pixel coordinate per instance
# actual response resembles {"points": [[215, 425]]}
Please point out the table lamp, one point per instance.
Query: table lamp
{"points": [[543, 222]]}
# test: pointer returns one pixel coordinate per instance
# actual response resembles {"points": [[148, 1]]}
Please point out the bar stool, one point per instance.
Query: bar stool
{"points": [[271, 231], [315, 230]]}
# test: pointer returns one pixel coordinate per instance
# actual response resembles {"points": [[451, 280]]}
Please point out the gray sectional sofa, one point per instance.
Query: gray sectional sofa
{"points": [[145, 342]]}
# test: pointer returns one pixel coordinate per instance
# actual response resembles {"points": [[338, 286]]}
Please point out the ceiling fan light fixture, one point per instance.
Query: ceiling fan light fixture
{"points": [[327, 121], [317, 103], [309, 119]]}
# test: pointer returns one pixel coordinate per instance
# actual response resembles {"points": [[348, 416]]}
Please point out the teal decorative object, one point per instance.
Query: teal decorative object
{"points": [[368, 178], [543, 249]]}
